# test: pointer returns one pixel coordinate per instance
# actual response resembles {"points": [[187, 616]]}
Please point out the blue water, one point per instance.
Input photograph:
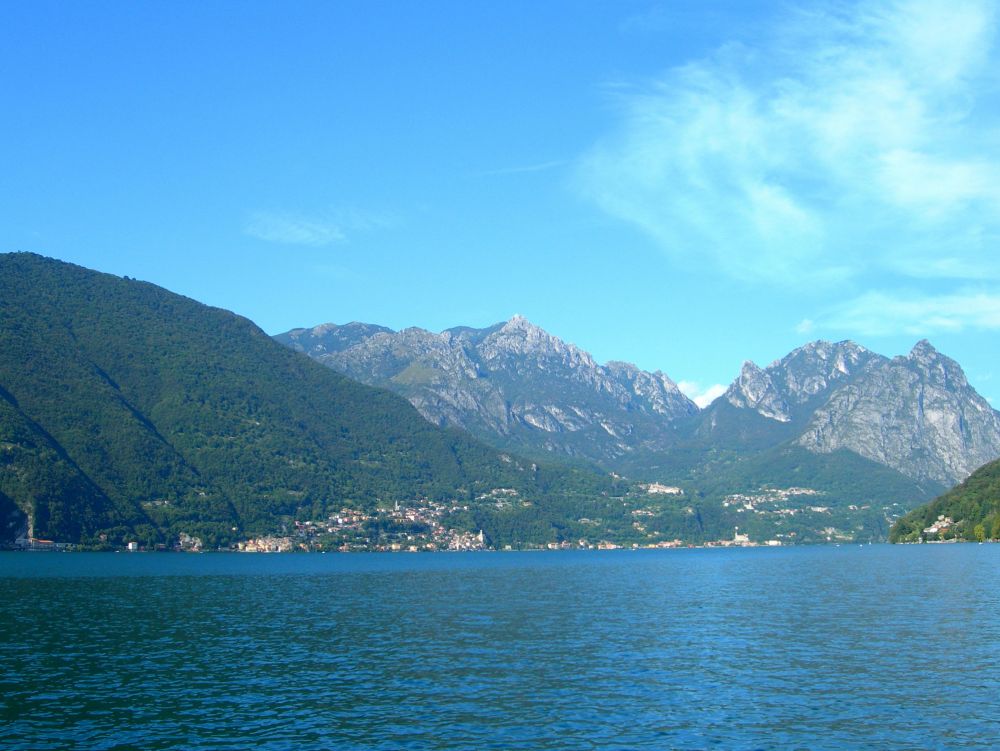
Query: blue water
{"points": [[813, 648]]}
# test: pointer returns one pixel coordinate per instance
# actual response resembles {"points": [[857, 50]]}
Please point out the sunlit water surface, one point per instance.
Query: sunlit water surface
{"points": [[813, 648]]}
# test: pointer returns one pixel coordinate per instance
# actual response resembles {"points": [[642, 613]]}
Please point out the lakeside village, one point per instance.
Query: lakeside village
{"points": [[426, 526]]}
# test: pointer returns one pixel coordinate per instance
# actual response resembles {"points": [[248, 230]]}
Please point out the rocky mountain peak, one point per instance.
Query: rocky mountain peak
{"points": [[632, 372], [939, 370], [815, 368], [323, 329], [822, 354], [790, 388], [519, 321], [923, 350], [754, 389], [844, 351], [917, 414], [520, 338], [518, 325]]}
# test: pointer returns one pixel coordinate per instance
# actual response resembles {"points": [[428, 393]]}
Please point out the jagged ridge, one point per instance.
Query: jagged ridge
{"points": [[515, 384], [917, 414], [512, 381]]}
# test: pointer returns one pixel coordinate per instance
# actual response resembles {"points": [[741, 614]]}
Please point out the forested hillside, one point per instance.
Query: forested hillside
{"points": [[129, 410], [970, 511]]}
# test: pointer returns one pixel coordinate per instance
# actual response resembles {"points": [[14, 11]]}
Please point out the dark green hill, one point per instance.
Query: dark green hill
{"points": [[36, 474], [973, 508], [127, 409]]}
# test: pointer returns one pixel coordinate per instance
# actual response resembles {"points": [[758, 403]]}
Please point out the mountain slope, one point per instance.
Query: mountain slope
{"points": [[970, 511], [512, 384], [36, 473], [128, 408]]}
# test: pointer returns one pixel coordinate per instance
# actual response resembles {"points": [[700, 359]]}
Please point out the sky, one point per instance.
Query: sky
{"points": [[680, 185]]}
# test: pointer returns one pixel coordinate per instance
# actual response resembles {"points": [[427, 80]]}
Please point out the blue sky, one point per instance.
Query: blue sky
{"points": [[679, 185]]}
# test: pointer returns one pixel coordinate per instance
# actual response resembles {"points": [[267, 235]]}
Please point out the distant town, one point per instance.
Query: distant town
{"points": [[423, 525], [410, 529]]}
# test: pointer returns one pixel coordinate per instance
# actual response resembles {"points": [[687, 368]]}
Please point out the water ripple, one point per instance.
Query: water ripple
{"points": [[824, 648]]}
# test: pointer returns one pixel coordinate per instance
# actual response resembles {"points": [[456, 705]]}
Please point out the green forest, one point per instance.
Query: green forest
{"points": [[973, 508]]}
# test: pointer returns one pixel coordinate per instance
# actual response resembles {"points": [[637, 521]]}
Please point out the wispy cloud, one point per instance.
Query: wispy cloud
{"points": [[290, 228], [702, 396], [886, 313], [525, 168], [853, 140]]}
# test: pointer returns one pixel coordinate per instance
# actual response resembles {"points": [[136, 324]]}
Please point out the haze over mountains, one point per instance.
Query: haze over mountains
{"points": [[514, 384]]}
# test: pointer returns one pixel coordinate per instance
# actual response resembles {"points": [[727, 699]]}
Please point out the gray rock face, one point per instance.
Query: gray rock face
{"points": [[755, 389], [916, 414], [513, 380], [790, 387]]}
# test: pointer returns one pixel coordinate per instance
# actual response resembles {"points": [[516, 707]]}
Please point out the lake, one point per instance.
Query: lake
{"points": [[889, 647]]}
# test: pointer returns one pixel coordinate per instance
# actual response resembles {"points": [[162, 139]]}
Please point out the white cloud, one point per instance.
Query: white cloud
{"points": [[701, 396], [852, 140], [886, 313], [290, 228], [805, 326]]}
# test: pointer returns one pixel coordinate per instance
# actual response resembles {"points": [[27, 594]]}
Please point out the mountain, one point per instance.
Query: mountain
{"points": [[970, 511], [130, 411], [511, 384], [875, 436], [516, 386], [791, 388], [767, 407], [917, 414]]}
